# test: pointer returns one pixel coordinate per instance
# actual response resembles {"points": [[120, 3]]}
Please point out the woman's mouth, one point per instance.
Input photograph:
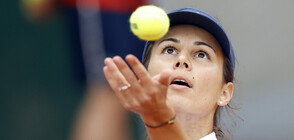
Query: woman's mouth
{"points": [[180, 83]]}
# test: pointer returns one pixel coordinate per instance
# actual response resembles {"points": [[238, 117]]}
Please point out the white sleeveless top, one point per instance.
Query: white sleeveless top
{"points": [[210, 136]]}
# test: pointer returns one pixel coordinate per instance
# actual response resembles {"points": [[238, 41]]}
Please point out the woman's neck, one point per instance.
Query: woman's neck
{"points": [[196, 127]]}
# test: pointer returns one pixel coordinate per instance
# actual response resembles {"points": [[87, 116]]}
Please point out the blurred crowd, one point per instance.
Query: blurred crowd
{"points": [[95, 29]]}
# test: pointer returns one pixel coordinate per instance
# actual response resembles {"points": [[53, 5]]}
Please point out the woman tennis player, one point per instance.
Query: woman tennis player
{"points": [[185, 78]]}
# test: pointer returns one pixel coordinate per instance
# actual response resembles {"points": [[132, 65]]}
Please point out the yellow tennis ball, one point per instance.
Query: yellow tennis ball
{"points": [[149, 22]]}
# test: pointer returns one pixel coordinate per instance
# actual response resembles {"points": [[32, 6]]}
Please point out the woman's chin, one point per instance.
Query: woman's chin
{"points": [[178, 101]]}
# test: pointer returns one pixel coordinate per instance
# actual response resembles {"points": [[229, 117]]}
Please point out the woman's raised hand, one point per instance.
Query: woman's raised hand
{"points": [[137, 90]]}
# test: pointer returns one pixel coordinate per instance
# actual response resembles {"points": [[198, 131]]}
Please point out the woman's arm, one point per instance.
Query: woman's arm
{"points": [[144, 95]]}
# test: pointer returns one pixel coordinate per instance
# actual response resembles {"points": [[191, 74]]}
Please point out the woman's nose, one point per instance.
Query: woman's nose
{"points": [[183, 63]]}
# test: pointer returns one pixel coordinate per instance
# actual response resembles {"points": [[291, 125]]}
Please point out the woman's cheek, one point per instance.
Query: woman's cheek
{"points": [[155, 67]]}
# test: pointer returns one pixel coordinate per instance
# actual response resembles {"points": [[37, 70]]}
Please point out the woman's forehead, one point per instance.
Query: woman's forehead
{"points": [[190, 33], [188, 30]]}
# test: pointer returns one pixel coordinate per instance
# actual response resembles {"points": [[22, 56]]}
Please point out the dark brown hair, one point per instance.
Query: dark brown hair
{"points": [[222, 131]]}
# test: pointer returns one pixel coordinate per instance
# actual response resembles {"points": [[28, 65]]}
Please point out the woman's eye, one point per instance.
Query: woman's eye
{"points": [[169, 50], [201, 54]]}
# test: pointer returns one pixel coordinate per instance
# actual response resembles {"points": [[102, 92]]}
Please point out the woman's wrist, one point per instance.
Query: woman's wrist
{"points": [[158, 117], [169, 122]]}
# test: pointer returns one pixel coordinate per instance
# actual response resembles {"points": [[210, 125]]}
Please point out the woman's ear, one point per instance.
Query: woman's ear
{"points": [[226, 94]]}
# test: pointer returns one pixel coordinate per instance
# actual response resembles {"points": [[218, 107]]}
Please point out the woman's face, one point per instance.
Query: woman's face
{"points": [[196, 60]]}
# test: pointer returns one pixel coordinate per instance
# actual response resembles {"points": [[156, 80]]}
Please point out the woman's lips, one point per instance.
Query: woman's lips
{"points": [[180, 83], [178, 87]]}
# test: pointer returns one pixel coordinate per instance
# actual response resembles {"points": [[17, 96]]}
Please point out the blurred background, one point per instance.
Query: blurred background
{"points": [[41, 92]]}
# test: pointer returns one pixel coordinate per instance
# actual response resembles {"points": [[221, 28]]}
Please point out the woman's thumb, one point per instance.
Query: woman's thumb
{"points": [[163, 77]]}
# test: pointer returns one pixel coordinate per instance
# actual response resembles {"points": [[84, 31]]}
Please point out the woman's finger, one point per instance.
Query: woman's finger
{"points": [[164, 80], [121, 97], [164, 77], [120, 85], [125, 70], [114, 76], [131, 78], [140, 71]]}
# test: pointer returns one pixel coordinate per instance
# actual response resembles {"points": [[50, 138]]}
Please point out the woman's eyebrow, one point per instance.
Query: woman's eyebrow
{"points": [[169, 39], [205, 44]]}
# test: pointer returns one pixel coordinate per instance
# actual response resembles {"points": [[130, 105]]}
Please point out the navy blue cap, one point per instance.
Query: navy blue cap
{"points": [[192, 16]]}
